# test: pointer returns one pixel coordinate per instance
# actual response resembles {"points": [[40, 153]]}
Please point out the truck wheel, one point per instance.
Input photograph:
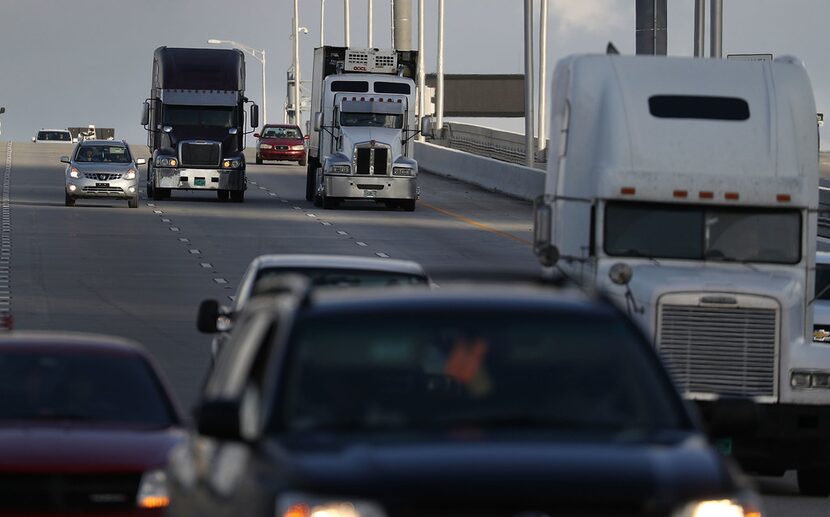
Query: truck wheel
{"points": [[223, 194], [133, 202], [408, 205], [69, 200], [157, 194], [258, 160], [237, 196], [814, 482], [330, 203], [310, 180]]}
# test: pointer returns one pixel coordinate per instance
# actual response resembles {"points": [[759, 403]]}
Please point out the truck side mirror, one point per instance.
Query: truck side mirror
{"points": [[2, 109], [318, 120], [547, 253], [254, 116], [145, 114], [426, 127]]}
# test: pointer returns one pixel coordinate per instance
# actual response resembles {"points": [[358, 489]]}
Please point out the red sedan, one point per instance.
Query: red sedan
{"points": [[86, 426], [282, 142]]}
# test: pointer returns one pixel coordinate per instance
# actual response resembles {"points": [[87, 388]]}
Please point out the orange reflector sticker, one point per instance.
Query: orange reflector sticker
{"points": [[783, 197], [706, 194], [628, 191], [681, 193], [732, 195]]}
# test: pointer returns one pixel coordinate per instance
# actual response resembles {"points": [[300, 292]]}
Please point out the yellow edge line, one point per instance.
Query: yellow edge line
{"points": [[480, 226]]}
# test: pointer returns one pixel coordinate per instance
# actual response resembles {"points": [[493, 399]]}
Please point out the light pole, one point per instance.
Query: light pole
{"points": [[295, 33], [322, 22], [259, 55]]}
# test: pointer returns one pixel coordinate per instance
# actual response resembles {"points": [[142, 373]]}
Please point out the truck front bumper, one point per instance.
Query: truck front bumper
{"points": [[370, 187], [200, 179], [784, 437]]}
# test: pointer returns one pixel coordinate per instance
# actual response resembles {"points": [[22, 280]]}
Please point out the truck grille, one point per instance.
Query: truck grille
{"points": [[372, 160], [727, 351], [67, 492], [200, 154], [102, 176]]}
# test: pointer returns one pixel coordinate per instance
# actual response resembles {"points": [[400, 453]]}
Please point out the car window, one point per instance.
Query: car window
{"points": [[57, 136], [111, 388], [417, 368], [282, 132], [334, 277], [103, 154]]}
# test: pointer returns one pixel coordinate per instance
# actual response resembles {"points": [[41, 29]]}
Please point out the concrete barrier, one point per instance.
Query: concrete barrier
{"points": [[507, 178]]}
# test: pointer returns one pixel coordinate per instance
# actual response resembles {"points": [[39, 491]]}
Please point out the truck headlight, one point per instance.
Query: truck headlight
{"points": [[164, 161], [302, 505], [74, 173], [130, 174], [719, 508], [300, 147], [341, 169], [266, 146], [231, 164], [152, 491], [810, 380], [401, 171]]}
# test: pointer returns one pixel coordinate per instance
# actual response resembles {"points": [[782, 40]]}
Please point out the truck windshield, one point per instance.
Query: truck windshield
{"points": [[703, 233], [387, 120], [200, 116]]}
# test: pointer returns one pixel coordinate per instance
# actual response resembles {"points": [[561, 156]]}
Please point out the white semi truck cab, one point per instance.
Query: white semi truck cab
{"points": [[361, 147], [687, 190]]}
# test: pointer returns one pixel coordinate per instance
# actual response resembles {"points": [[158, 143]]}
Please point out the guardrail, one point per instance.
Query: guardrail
{"points": [[497, 144]]}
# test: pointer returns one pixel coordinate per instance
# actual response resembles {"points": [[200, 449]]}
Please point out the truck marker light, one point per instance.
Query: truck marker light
{"points": [[681, 193], [706, 194], [628, 191], [783, 197], [733, 196]]}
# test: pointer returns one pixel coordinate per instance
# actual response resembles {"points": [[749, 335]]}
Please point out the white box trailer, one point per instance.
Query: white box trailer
{"points": [[687, 189]]}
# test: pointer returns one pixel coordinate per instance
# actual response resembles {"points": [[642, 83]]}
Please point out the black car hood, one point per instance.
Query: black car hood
{"points": [[635, 476]]}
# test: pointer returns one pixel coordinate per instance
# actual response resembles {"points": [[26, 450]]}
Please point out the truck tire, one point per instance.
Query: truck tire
{"points": [[407, 205], [237, 196], [150, 188], [157, 194], [330, 203], [310, 180], [223, 194], [814, 482]]}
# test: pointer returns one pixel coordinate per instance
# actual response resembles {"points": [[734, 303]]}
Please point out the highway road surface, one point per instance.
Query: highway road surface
{"points": [[141, 273]]}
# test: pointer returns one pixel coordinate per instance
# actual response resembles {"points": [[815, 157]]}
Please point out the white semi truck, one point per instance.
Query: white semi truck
{"points": [[687, 190], [363, 124]]}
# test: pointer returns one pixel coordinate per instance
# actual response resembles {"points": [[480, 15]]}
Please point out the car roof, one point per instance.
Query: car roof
{"points": [[463, 297], [823, 257], [47, 129], [281, 125], [102, 142], [338, 262], [71, 341]]}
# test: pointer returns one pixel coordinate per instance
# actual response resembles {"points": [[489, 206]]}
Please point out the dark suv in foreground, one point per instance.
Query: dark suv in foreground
{"points": [[456, 402]]}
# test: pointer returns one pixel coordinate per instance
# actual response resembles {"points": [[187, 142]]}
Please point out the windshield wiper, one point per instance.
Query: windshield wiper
{"points": [[631, 252], [718, 256]]}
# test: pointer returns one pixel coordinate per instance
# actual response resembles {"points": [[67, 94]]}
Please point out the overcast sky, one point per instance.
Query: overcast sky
{"points": [[76, 62]]}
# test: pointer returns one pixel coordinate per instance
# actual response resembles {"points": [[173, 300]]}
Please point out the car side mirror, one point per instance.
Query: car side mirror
{"points": [[219, 419], [208, 316], [140, 161], [254, 116], [318, 120], [33, 139], [145, 114], [427, 128], [64, 159], [256, 135]]}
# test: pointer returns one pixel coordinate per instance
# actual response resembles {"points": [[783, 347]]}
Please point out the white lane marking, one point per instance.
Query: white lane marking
{"points": [[194, 252], [174, 229], [298, 208], [361, 243], [151, 204], [311, 215], [272, 194], [341, 232], [165, 220], [325, 223], [184, 239], [220, 280], [158, 211], [206, 265], [382, 254]]}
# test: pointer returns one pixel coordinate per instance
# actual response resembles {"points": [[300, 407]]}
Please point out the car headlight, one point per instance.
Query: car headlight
{"points": [[341, 169], [164, 161], [302, 505], [231, 164], [401, 171], [74, 173], [300, 147], [152, 491], [266, 146], [720, 508], [130, 175]]}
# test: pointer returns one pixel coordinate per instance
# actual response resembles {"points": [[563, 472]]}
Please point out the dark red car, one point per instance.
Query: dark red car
{"points": [[283, 142], [86, 426]]}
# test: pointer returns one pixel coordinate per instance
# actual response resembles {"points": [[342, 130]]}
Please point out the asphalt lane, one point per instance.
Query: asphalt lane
{"points": [[141, 273]]}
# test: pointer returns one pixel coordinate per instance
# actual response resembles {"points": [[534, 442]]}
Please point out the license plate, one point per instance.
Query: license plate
{"points": [[102, 184], [368, 193], [199, 182], [724, 445]]}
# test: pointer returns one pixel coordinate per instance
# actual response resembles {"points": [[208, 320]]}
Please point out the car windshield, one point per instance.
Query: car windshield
{"points": [[430, 368], [387, 120], [103, 154], [58, 136], [282, 132], [702, 233], [324, 277], [204, 116], [101, 388]]}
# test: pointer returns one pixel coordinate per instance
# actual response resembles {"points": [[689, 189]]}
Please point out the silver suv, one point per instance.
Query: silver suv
{"points": [[102, 169]]}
